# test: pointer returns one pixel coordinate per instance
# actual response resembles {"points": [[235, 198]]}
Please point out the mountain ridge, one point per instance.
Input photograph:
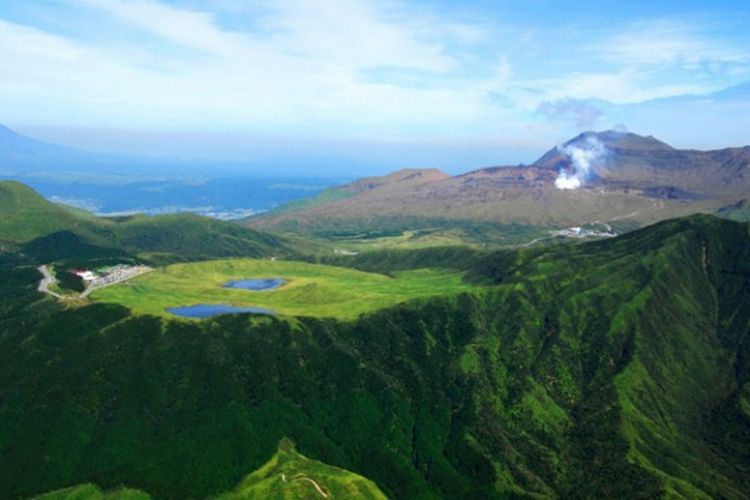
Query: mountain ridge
{"points": [[627, 176], [616, 368]]}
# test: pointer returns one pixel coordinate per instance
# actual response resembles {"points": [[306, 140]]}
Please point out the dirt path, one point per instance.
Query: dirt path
{"points": [[47, 281], [655, 206], [310, 480]]}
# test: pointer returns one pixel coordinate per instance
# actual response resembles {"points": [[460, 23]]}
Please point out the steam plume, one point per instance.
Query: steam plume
{"points": [[583, 155]]}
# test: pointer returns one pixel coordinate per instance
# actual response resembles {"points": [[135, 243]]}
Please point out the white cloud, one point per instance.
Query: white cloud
{"points": [[622, 87], [304, 67], [190, 29], [584, 114], [669, 43], [355, 33]]}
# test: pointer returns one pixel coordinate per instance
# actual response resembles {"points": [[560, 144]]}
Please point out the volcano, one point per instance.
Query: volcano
{"points": [[638, 179]]}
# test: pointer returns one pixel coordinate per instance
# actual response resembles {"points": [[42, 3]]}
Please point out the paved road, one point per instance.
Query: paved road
{"points": [[47, 281]]}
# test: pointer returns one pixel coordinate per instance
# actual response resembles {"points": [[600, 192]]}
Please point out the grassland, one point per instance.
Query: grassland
{"points": [[92, 492], [291, 475], [310, 289], [378, 232]]}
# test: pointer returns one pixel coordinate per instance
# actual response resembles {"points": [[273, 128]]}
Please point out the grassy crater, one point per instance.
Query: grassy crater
{"points": [[310, 289]]}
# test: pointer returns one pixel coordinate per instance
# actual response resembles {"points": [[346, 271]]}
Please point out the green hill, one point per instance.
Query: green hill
{"points": [[25, 215], [91, 492], [191, 235], [51, 232], [289, 475], [613, 369]]}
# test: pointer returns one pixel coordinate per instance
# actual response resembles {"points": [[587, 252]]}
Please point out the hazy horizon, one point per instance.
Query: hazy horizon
{"points": [[367, 87]]}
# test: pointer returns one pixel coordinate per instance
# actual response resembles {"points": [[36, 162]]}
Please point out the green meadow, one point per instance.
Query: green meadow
{"points": [[310, 289]]}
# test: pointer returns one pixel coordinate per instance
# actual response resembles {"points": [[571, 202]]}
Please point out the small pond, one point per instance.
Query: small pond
{"points": [[208, 310], [258, 285]]}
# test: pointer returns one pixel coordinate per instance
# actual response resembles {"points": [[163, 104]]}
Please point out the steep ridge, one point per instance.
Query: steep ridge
{"points": [[628, 178], [616, 368], [663, 336]]}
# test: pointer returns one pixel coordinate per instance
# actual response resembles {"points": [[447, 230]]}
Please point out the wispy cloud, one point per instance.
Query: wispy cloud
{"points": [[692, 45], [359, 68], [305, 64], [584, 114]]}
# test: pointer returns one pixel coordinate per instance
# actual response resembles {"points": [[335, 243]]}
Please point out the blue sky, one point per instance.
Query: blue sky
{"points": [[454, 84]]}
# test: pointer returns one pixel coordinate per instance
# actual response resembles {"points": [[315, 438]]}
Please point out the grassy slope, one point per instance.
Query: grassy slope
{"points": [[361, 233], [739, 211], [91, 492], [370, 214], [288, 475], [191, 235], [328, 195], [386, 261], [50, 232], [24, 215], [78, 212], [610, 369], [311, 289]]}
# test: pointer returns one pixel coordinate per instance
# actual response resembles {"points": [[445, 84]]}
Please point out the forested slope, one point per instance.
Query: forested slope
{"points": [[610, 369]]}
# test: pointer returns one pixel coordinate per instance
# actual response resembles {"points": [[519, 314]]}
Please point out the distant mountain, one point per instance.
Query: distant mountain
{"points": [[654, 168], [15, 145], [25, 157], [624, 177], [20, 154]]}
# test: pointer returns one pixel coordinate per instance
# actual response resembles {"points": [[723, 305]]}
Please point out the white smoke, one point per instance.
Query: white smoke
{"points": [[583, 155]]}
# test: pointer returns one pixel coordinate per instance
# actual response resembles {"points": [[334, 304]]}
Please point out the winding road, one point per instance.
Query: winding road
{"points": [[311, 480], [47, 281]]}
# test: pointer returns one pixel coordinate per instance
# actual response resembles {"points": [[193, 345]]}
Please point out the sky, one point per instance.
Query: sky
{"points": [[383, 84]]}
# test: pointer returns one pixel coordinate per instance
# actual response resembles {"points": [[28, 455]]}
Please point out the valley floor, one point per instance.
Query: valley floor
{"points": [[309, 289]]}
